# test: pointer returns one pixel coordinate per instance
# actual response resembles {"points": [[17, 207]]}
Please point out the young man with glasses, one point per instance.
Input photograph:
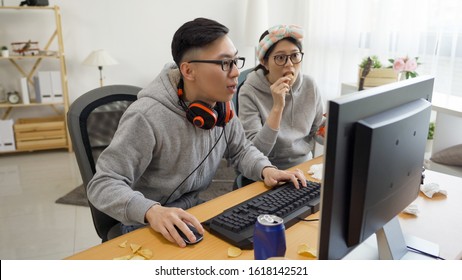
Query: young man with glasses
{"points": [[170, 141], [280, 108]]}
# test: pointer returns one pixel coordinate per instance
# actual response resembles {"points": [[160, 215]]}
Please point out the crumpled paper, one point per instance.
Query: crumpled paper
{"points": [[316, 171], [412, 209], [432, 188]]}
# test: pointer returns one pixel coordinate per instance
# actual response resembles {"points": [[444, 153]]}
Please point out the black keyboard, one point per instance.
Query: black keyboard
{"points": [[236, 224]]}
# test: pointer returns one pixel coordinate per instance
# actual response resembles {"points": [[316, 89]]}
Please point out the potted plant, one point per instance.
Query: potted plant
{"points": [[378, 74], [5, 52], [431, 132], [405, 67]]}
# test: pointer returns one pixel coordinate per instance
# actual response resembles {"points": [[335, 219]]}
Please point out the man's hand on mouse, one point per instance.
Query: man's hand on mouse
{"points": [[163, 220]]}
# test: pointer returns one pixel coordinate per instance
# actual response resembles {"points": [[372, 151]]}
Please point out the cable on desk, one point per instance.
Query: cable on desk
{"points": [[308, 220], [424, 253]]}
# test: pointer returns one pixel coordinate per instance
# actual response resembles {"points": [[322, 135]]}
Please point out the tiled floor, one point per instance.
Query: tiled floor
{"points": [[32, 225]]}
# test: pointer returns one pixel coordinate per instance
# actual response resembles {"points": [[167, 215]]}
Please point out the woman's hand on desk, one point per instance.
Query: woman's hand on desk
{"points": [[163, 220], [272, 176]]}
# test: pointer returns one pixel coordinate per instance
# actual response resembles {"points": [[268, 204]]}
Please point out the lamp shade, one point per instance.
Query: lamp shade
{"points": [[99, 58], [256, 20]]}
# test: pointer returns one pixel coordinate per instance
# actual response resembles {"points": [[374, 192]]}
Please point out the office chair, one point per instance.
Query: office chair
{"points": [[240, 81], [92, 121], [240, 181]]}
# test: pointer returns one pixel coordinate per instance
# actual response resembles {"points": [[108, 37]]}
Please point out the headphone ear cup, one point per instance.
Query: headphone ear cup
{"points": [[201, 115], [225, 113]]}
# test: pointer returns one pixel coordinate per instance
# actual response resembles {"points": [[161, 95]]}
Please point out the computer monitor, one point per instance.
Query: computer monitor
{"points": [[373, 163]]}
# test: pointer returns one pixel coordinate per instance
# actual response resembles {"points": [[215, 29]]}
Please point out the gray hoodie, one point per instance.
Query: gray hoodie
{"points": [[293, 142], [155, 148]]}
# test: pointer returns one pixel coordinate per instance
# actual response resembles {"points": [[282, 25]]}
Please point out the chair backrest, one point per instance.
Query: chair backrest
{"points": [[92, 121], [240, 80]]}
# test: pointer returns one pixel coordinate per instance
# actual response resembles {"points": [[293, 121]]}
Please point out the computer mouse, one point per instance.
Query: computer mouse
{"points": [[199, 236]]}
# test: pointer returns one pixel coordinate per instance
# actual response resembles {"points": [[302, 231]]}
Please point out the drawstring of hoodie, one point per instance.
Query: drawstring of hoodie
{"points": [[292, 109]]}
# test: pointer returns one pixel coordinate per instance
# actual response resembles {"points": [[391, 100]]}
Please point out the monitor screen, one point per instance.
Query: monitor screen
{"points": [[373, 160]]}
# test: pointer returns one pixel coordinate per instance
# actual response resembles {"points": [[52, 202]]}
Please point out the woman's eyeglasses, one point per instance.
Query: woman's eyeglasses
{"points": [[281, 59]]}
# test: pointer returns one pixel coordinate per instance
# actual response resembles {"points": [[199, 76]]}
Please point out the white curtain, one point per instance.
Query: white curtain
{"points": [[340, 33]]}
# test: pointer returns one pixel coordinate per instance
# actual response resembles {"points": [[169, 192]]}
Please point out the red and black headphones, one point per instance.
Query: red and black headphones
{"points": [[201, 115]]}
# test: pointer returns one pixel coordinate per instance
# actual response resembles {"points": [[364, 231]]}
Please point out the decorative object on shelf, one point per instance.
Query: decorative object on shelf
{"points": [[23, 48], [366, 68], [34, 3], [5, 52], [378, 75], [373, 60], [13, 97], [100, 58], [405, 67]]}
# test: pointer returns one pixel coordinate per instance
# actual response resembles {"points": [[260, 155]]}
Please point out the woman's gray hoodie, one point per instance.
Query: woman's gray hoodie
{"points": [[155, 148], [293, 142]]}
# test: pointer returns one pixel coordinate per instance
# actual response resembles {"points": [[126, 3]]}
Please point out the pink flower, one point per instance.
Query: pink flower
{"points": [[399, 65], [411, 65]]}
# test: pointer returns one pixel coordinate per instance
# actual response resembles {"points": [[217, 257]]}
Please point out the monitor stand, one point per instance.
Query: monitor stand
{"points": [[392, 245]]}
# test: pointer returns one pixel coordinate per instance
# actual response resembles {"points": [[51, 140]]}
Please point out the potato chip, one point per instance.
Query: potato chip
{"points": [[135, 247], [304, 250], [123, 244], [145, 253], [234, 252], [137, 257], [291, 77], [126, 257]]}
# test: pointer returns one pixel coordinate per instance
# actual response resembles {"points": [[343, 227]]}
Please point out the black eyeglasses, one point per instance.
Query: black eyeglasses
{"points": [[281, 59], [226, 64]]}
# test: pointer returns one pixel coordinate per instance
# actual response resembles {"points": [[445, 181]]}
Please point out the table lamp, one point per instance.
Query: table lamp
{"points": [[100, 58], [256, 23]]}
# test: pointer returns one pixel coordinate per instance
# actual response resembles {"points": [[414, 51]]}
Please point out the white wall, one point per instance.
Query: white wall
{"points": [[137, 33]]}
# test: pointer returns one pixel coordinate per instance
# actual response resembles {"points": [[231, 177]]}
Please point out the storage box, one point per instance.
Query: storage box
{"points": [[6, 136], [40, 133], [378, 77]]}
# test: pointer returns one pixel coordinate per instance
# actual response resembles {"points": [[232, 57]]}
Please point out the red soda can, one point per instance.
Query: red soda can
{"points": [[269, 239]]}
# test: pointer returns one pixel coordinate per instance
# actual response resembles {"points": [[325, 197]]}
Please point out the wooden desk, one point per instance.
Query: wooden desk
{"points": [[440, 217], [431, 225]]}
